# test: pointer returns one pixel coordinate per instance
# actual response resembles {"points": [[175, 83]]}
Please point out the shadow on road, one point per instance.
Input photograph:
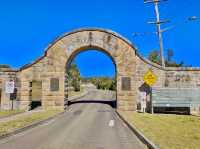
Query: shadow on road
{"points": [[112, 103]]}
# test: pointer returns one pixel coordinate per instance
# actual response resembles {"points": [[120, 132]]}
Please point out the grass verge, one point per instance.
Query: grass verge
{"points": [[10, 126], [167, 131], [73, 93], [5, 113]]}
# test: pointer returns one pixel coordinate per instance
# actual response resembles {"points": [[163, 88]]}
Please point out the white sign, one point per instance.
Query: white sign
{"points": [[143, 100], [143, 96], [10, 87]]}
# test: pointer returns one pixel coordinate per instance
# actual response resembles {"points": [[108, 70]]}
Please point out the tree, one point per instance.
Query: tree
{"points": [[113, 85], [170, 54], [155, 57], [74, 77], [104, 83], [4, 66]]}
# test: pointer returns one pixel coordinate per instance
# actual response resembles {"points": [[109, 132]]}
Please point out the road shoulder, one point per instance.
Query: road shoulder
{"points": [[26, 122], [136, 131]]}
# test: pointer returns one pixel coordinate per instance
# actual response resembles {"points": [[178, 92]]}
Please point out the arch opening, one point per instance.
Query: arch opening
{"points": [[97, 72]]}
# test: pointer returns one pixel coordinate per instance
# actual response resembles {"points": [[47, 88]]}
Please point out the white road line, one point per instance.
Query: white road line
{"points": [[111, 123]]}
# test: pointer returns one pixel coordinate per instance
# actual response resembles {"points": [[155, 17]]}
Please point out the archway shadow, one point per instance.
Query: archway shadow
{"points": [[112, 103]]}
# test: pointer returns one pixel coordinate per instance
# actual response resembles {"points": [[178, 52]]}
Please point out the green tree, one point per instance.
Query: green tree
{"points": [[104, 83], [74, 77], [4, 66], [170, 54], [154, 56]]}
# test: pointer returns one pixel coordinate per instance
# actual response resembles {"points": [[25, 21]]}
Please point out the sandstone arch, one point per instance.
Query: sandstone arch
{"points": [[60, 52]]}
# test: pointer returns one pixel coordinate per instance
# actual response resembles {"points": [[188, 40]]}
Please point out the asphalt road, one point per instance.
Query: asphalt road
{"points": [[89, 123]]}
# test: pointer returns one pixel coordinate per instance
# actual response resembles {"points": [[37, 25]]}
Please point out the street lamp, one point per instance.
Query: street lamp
{"points": [[193, 18]]}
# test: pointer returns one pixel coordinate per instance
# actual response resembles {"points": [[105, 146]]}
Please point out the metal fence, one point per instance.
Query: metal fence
{"points": [[176, 97]]}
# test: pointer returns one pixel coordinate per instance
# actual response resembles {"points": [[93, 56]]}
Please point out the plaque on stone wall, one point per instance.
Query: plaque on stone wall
{"points": [[54, 84], [126, 83]]}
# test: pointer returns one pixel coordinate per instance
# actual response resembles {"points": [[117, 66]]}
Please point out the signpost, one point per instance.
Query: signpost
{"points": [[143, 101], [10, 89], [150, 79]]}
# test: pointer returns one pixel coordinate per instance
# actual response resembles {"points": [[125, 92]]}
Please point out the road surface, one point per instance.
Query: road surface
{"points": [[89, 123]]}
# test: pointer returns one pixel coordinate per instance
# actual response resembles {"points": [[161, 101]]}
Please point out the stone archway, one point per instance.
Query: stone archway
{"points": [[50, 69], [116, 47]]}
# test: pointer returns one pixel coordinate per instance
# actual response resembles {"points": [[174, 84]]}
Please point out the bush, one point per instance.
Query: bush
{"points": [[104, 83]]}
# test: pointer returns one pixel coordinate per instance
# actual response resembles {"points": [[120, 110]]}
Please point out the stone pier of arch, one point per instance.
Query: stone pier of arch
{"points": [[130, 69]]}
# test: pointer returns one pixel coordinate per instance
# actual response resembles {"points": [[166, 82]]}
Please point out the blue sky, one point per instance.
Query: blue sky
{"points": [[95, 63], [27, 27]]}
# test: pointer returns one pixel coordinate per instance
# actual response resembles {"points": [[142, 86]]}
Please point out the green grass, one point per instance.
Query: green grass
{"points": [[5, 113], [168, 131], [6, 127], [73, 93]]}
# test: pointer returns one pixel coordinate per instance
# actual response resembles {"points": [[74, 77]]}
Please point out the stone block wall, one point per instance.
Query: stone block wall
{"points": [[182, 78], [167, 78], [130, 70]]}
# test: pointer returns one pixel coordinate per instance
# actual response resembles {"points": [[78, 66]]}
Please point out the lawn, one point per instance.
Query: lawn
{"points": [[5, 113], [168, 131], [6, 127], [72, 93]]}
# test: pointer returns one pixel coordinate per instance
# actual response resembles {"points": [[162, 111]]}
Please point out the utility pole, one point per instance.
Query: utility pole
{"points": [[158, 23]]}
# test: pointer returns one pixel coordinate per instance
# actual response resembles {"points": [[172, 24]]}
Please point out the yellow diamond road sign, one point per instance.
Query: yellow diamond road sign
{"points": [[150, 78]]}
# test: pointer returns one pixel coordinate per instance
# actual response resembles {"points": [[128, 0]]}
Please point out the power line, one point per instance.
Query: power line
{"points": [[158, 23]]}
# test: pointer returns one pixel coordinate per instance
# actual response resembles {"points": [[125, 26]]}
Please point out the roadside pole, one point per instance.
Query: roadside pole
{"points": [[158, 23], [150, 79], [151, 101], [159, 33], [10, 89]]}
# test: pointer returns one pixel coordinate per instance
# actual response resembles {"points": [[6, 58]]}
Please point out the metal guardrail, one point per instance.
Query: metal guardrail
{"points": [[176, 97]]}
